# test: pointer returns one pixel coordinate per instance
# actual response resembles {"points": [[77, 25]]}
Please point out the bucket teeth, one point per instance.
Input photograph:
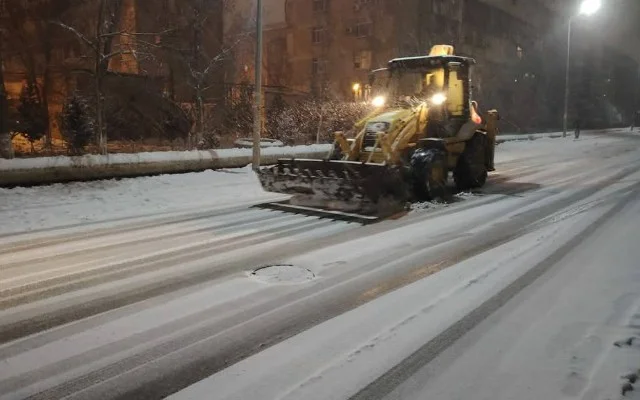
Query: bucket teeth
{"points": [[370, 189]]}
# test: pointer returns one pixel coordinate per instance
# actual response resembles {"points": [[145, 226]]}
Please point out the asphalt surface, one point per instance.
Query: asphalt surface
{"points": [[142, 310]]}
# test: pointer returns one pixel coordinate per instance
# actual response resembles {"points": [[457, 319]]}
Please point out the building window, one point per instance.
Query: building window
{"points": [[319, 5], [362, 60], [363, 28], [359, 4], [318, 35], [519, 51], [318, 67]]}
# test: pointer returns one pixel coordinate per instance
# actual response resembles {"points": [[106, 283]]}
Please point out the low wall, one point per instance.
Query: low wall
{"points": [[47, 170]]}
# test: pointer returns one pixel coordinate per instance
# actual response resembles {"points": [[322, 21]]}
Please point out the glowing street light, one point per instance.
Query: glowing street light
{"points": [[590, 7], [587, 9]]}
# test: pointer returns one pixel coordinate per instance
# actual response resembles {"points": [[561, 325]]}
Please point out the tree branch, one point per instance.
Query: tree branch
{"points": [[78, 34], [134, 53], [221, 55]]}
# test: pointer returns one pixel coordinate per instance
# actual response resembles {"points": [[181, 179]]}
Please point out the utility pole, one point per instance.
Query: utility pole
{"points": [[635, 115], [6, 150], [587, 8], [565, 118], [257, 103]]}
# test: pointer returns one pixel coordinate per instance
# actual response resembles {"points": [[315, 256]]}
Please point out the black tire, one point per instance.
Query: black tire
{"points": [[471, 170], [429, 174]]}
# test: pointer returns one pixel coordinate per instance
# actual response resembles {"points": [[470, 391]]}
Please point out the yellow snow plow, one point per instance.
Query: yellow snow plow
{"points": [[424, 126]]}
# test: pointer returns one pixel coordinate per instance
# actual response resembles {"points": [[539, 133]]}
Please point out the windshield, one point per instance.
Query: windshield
{"points": [[414, 83], [407, 86]]}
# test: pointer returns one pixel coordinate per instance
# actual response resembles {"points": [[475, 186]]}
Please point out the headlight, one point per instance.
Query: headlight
{"points": [[378, 101], [438, 99]]}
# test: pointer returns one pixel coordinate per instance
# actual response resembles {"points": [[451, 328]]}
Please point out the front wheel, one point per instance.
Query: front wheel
{"points": [[471, 170], [429, 173]]}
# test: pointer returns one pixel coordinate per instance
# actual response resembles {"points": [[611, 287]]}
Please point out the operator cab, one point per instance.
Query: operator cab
{"points": [[443, 82], [440, 81]]}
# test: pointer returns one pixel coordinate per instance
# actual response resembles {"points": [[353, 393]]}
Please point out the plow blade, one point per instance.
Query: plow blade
{"points": [[343, 186]]}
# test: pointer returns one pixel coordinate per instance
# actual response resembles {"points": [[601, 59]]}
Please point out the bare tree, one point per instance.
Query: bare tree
{"points": [[106, 40], [198, 53]]}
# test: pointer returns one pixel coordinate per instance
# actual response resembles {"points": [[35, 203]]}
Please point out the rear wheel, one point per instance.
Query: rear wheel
{"points": [[429, 173], [471, 170]]}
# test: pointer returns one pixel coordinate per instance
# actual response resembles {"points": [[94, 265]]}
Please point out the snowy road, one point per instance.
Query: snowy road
{"points": [[534, 277]]}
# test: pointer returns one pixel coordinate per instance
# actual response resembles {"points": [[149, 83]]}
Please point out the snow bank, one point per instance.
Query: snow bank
{"points": [[552, 135], [79, 204], [43, 170], [531, 136]]}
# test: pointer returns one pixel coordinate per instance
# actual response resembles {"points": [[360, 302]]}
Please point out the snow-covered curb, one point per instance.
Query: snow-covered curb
{"points": [[554, 135], [44, 170], [530, 136]]}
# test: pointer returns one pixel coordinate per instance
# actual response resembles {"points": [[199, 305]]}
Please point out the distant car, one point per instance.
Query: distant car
{"points": [[248, 143]]}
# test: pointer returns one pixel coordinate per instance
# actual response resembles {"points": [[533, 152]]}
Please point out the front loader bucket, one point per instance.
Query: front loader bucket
{"points": [[346, 186]]}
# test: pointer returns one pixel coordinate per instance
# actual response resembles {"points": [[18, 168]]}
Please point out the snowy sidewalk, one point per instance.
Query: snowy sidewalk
{"points": [[84, 203], [48, 170]]}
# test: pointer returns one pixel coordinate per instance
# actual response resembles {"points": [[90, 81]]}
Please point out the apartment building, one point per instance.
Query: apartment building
{"points": [[324, 47]]}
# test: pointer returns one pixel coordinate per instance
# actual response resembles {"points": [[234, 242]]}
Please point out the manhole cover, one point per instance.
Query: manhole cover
{"points": [[283, 274]]}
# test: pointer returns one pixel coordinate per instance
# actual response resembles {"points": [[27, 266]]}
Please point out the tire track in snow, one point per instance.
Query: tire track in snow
{"points": [[50, 236], [84, 277], [293, 317], [384, 385], [192, 347], [47, 255], [74, 279], [146, 277]]}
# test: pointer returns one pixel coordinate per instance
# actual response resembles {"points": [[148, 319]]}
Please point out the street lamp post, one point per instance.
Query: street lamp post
{"points": [[587, 8], [257, 111], [565, 118]]}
